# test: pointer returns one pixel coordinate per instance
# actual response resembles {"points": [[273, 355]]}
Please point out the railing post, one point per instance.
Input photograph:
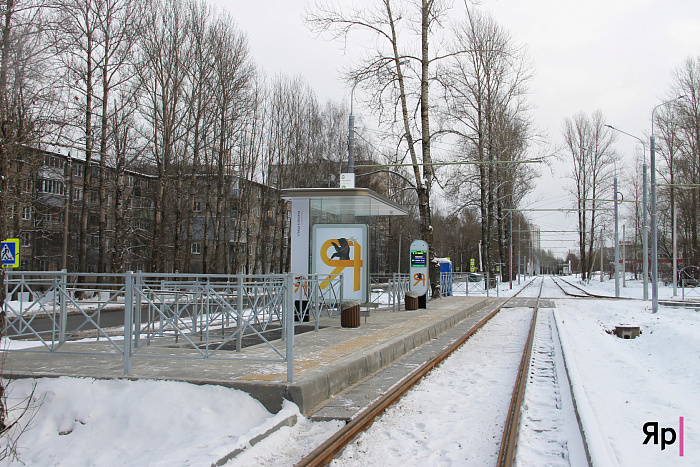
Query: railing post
{"points": [[128, 323], [63, 294], [239, 313], [289, 318], [137, 282], [316, 285], [283, 317]]}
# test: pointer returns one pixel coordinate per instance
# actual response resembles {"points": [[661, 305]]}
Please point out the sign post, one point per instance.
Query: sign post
{"points": [[419, 280], [9, 251]]}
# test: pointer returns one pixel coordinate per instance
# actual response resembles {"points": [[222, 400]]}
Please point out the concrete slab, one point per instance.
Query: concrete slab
{"points": [[327, 362]]}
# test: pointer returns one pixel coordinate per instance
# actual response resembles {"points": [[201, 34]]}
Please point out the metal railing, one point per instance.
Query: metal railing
{"points": [[464, 283], [316, 295], [209, 315], [388, 289], [690, 287]]}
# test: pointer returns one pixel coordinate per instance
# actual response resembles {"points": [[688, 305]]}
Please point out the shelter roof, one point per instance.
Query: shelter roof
{"points": [[358, 201]]}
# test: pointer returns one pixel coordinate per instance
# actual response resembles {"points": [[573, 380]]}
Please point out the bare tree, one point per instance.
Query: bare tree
{"points": [[486, 88], [78, 47], [167, 48], [589, 145], [232, 75], [383, 67], [27, 107], [679, 130], [118, 29]]}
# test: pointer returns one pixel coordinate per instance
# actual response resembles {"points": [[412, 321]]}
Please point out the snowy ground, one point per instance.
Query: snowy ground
{"points": [[625, 384]]}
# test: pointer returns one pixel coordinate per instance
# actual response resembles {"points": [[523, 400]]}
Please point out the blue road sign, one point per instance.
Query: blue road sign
{"points": [[9, 252]]}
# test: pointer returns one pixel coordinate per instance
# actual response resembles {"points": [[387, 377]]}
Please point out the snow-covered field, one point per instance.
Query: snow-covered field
{"points": [[626, 384]]}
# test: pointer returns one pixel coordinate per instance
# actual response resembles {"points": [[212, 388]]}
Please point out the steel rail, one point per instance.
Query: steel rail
{"points": [[588, 294], [569, 293], [506, 454], [328, 450]]}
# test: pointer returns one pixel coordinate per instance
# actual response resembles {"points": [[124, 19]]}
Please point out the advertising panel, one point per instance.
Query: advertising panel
{"points": [[342, 248]]}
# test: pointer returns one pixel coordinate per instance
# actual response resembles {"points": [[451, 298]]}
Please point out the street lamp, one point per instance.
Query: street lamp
{"points": [[654, 247], [645, 244], [617, 239]]}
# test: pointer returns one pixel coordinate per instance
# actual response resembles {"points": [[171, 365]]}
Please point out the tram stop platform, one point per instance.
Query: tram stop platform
{"points": [[329, 363]]}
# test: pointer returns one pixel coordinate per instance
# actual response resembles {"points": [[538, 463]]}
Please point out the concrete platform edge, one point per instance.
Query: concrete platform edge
{"points": [[308, 395]]}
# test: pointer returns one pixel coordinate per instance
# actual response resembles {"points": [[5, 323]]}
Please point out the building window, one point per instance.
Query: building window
{"points": [[51, 186], [26, 213], [196, 248], [197, 206], [78, 170], [28, 185], [130, 180], [25, 238], [77, 194]]}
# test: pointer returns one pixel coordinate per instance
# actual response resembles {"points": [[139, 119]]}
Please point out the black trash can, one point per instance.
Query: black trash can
{"points": [[350, 314]]}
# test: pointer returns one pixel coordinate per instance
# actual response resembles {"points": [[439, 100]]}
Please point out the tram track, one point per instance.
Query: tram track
{"points": [[335, 444], [506, 454], [582, 293]]}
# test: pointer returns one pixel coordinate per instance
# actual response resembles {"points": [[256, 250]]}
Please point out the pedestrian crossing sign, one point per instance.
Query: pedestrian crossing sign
{"points": [[9, 251]]}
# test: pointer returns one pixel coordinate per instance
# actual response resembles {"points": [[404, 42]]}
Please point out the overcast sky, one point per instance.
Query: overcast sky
{"points": [[617, 56]]}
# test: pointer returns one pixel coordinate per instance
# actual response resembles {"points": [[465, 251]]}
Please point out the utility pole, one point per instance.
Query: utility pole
{"points": [[645, 228], [601, 255], [518, 251], [510, 261], [624, 258]]}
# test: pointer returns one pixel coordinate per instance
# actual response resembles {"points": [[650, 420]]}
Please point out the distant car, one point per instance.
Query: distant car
{"points": [[474, 277]]}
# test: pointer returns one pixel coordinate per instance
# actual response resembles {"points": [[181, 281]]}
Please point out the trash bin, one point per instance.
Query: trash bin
{"points": [[411, 300], [350, 314]]}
